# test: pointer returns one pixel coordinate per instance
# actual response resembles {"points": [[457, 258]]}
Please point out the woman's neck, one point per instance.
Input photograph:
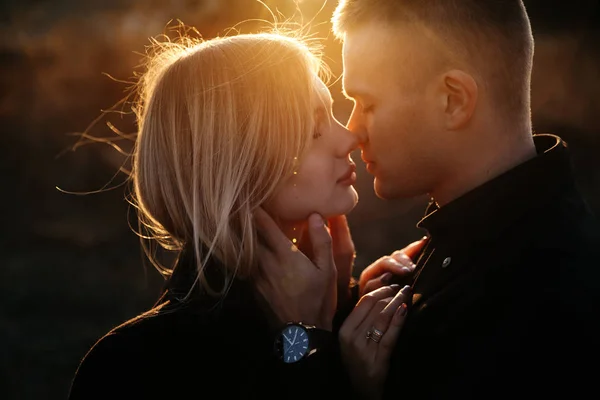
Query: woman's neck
{"points": [[293, 230]]}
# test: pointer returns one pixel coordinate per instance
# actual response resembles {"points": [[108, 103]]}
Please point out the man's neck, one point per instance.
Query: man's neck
{"points": [[492, 160]]}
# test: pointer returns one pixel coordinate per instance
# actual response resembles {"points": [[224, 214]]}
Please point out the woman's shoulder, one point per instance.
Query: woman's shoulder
{"points": [[145, 335], [133, 335], [135, 353]]}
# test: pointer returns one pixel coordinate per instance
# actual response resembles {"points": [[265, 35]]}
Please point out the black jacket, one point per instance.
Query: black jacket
{"points": [[506, 291], [201, 348]]}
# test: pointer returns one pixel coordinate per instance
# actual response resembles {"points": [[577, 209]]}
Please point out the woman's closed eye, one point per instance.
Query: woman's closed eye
{"points": [[320, 117]]}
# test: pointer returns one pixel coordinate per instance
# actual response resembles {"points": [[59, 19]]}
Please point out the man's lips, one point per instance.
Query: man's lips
{"points": [[350, 175], [368, 162], [371, 168], [365, 158]]}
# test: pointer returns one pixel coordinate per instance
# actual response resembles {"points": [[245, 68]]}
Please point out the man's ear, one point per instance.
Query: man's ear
{"points": [[460, 93]]}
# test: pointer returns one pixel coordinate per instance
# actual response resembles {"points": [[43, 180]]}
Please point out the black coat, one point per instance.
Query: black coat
{"points": [[506, 291], [199, 349]]}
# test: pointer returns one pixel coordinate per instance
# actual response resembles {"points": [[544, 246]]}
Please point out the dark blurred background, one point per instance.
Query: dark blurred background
{"points": [[70, 265]]}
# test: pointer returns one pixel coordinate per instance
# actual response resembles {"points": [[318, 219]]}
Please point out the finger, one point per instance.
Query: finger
{"points": [[403, 296], [321, 243], [399, 308], [388, 341], [382, 320], [341, 239], [412, 250], [383, 280], [401, 257], [366, 304], [274, 238], [383, 265]]}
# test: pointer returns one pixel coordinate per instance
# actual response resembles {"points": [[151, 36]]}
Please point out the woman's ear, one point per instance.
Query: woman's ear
{"points": [[460, 93]]}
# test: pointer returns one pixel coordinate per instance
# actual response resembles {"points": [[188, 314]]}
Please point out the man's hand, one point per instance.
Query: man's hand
{"points": [[296, 287], [381, 272]]}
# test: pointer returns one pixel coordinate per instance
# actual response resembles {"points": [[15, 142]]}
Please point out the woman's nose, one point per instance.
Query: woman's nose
{"points": [[345, 141]]}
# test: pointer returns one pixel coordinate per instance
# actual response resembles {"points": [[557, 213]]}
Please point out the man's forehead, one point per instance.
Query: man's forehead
{"points": [[363, 58], [375, 56]]}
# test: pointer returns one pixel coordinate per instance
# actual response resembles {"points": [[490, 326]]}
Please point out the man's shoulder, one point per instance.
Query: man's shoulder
{"points": [[564, 225]]}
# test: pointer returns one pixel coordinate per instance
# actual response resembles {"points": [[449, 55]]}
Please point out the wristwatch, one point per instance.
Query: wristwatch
{"points": [[296, 341]]}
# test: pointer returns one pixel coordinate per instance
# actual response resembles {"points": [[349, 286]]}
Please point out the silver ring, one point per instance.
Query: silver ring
{"points": [[374, 334]]}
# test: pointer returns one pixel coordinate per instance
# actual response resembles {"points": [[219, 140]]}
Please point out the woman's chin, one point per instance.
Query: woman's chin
{"points": [[342, 206], [353, 200]]}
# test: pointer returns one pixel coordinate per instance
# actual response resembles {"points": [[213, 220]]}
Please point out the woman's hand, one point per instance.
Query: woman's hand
{"points": [[369, 334], [297, 288], [381, 272]]}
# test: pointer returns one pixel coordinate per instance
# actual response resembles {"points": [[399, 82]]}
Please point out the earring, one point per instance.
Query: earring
{"points": [[295, 166], [294, 240]]}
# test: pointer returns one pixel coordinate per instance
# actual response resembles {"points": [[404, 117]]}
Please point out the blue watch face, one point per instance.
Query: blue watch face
{"points": [[295, 343]]}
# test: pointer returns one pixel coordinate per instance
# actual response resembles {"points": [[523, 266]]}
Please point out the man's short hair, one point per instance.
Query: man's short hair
{"points": [[494, 35]]}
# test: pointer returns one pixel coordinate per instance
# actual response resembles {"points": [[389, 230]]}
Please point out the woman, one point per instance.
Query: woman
{"points": [[236, 133]]}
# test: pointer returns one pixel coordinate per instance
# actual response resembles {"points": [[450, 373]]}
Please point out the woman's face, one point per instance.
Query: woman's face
{"points": [[322, 181]]}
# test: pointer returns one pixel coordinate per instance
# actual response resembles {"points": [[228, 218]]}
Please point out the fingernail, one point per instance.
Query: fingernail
{"points": [[402, 310], [424, 237], [387, 277], [406, 290], [395, 286], [400, 313], [406, 270]]}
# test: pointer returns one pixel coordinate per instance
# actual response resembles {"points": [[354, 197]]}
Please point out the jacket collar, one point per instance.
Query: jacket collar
{"points": [[497, 204], [182, 289]]}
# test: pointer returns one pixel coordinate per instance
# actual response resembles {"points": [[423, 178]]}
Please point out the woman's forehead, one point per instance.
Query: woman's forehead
{"points": [[321, 95]]}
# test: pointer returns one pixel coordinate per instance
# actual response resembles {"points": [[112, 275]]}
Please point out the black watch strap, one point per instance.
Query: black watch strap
{"points": [[321, 338]]}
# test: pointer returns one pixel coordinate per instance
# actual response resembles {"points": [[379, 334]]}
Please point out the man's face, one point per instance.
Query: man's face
{"points": [[389, 74]]}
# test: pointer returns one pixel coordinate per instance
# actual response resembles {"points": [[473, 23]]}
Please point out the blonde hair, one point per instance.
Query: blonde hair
{"points": [[222, 123]]}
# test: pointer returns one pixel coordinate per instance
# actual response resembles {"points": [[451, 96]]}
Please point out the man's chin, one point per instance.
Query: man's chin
{"points": [[381, 190], [387, 191]]}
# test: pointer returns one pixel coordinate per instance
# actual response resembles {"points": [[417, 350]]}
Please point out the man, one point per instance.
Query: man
{"points": [[504, 292]]}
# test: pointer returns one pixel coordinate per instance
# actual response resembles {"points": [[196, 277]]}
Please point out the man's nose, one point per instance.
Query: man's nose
{"points": [[357, 127]]}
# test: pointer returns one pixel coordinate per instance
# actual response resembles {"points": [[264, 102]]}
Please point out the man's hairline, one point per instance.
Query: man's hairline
{"points": [[454, 62]]}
